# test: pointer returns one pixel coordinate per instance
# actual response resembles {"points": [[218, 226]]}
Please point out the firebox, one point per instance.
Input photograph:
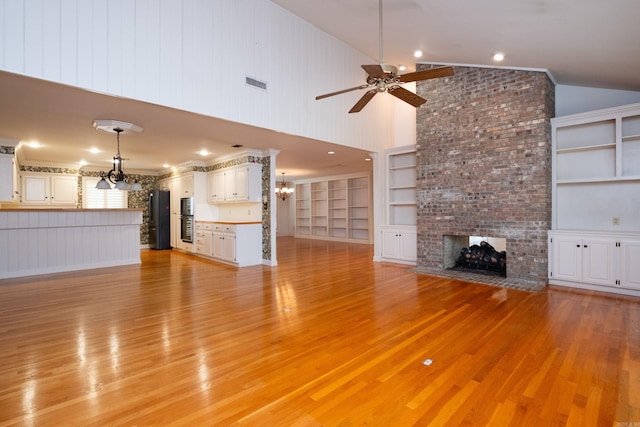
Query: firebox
{"points": [[476, 254]]}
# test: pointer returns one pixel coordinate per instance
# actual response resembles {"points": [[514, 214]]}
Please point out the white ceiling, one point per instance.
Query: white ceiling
{"points": [[580, 42]]}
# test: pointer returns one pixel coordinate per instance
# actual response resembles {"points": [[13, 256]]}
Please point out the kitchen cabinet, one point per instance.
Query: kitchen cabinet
{"points": [[242, 183], [215, 186], [599, 261], [204, 239], [224, 243], [399, 244], [237, 244], [8, 178], [49, 189]]}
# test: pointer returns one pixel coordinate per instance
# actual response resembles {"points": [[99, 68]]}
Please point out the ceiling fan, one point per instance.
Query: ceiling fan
{"points": [[385, 78]]}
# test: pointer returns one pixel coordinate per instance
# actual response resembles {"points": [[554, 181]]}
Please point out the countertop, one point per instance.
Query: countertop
{"points": [[229, 222]]}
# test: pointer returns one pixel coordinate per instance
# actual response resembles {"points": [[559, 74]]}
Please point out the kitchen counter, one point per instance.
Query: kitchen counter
{"points": [[229, 222], [44, 241]]}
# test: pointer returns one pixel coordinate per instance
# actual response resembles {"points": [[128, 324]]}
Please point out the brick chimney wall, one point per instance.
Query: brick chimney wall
{"points": [[484, 165]]}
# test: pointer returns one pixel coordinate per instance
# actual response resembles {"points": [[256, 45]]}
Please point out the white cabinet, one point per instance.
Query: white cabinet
{"points": [[336, 208], [630, 264], [215, 186], [237, 244], [49, 189], [204, 238], [8, 178], [589, 260], [399, 244], [242, 183]]}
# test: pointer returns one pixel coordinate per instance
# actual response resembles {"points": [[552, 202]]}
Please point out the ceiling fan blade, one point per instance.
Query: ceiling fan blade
{"points": [[341, 91], [363, 101], [374, 70], [407, 96], [426, 74]]}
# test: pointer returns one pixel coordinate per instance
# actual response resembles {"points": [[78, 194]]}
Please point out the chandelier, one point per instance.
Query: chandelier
{"points": [[283, 191], [116, 175]]}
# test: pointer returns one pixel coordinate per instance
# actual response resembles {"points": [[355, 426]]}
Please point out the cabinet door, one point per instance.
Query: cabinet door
{"points": [[6, 178], [567, 258], [229, 243], [630, 264], [598, 261], [186, 186], [64, 190], [35, 189], [218, 245], [407, 245], [215, 187], [241, 184], [390, 244]]}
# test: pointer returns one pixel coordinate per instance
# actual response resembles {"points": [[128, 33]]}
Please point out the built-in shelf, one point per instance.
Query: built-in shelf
{"points": [[339, 208]]}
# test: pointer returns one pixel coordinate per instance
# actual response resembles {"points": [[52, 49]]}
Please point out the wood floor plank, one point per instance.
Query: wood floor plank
{"points": [[326, 338]]}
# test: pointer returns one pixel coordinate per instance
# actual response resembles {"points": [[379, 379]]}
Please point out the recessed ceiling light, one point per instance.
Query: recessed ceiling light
{"points": [[83, 163], [34, 144], [367, 159], [166, 165], [402, 67], [498, 56], [204, 152], [331, 152], [94, 150], [417, 54]]}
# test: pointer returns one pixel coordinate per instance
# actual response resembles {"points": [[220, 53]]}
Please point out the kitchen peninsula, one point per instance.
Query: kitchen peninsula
{"points": [[44, 241]]}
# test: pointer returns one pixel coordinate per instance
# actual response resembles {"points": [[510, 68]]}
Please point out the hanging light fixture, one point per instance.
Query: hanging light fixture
{"points": [[283, 191], [116, 175]]}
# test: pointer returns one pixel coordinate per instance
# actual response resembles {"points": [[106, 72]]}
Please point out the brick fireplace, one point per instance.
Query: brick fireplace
{"points": [[484, 160]]}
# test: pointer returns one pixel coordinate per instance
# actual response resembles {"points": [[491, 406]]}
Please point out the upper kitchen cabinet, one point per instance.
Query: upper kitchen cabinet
{"points": [[242, 183], [8, 178], [49, 189]]}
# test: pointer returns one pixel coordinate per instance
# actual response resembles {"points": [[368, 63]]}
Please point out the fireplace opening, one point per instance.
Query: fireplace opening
{"points": [[476, 254]]}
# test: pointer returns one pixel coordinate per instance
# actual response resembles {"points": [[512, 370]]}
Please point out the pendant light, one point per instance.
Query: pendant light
{"points": [[283, 191], [116, 175]]}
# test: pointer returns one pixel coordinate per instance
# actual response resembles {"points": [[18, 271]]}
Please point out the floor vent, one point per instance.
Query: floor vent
{"points": [[256, 83]]}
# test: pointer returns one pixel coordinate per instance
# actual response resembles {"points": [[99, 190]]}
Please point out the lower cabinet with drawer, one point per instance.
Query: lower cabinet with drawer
{"points": [[235, 244]]}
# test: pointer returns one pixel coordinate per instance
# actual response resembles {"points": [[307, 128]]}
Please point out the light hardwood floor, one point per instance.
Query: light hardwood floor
{"points": [[326, 338]]}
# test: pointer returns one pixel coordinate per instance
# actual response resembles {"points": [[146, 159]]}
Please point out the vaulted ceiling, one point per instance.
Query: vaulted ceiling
{"points": [[579, 42]]}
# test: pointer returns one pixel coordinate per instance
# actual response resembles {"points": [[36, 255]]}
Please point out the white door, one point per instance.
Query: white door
{"points": [[229, 242], [598, 261], [389, 243], [35, 189], [64, 190], [567, 258], [242, 183], [630, 264], [218, 245], [408, 245]]}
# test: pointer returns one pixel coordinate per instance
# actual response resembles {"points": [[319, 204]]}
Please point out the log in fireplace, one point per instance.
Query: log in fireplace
{"points": [[482, 258]]}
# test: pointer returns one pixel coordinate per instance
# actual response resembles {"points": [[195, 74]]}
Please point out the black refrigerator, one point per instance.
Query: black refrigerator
{"points": [[159, 220]]}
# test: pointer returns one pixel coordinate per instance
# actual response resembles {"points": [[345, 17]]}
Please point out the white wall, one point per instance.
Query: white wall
{"points": [[577, 99], [195, 55]]}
